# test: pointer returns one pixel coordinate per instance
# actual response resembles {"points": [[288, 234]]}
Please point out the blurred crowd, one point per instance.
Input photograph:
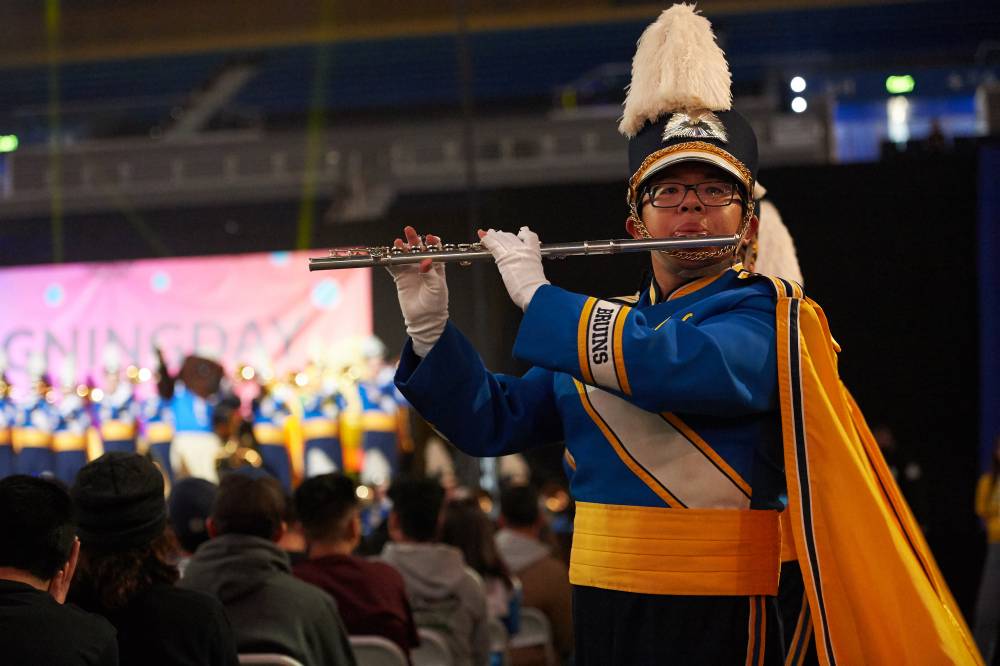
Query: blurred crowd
{"points": [[124, 572]]}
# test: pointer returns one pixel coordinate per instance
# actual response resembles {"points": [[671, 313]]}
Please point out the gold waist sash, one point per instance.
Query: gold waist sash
{"points": [[706, 552], [319, 429], [69, 441]]}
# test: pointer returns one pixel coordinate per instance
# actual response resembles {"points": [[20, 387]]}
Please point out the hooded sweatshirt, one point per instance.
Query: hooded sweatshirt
{"points": [[445, 595], [271, 611], [544, 582]]}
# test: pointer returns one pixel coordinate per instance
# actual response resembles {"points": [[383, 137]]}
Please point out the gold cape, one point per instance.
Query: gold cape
{"points": [[875, 593]]}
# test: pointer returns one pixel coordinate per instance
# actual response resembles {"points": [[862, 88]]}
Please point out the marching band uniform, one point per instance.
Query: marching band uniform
{"points": [[117, 419], [34, 421], [270, 415], [69, 438], [321, 430], [158, 431], [686, 416], [382, 409], [7, 416]]}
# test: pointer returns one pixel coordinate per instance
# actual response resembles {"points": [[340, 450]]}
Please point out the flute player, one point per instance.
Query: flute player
{"points": [[688, 411]]}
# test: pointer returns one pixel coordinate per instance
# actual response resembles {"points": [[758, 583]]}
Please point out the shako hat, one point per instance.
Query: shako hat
{"points": [[679, 104]]}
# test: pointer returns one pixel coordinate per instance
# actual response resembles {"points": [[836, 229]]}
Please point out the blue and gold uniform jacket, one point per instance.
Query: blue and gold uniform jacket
{"points": [[158, 430], [321, 431], [34, 421], [69, 437], [7, 415], [668, 408], [117, 417], [270, 413], [382, 408]]}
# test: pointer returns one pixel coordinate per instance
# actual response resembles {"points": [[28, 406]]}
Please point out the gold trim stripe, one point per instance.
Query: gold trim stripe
{"points": [[581, 339], [707, 451], [570, 460], [751, 631], [692, 287], [619, 358]]}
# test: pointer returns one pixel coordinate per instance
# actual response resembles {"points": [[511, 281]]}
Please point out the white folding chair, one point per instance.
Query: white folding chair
{"points": [[433, 650], [535, 630], [268, 660], [377, 651]]}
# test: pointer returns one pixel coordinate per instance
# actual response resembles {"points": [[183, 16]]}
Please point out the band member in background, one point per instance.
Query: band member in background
{"points": [[685, 412], [7, 416], [34, 420], [117, 410], [385, 417], [322, 404], [158, 431], [69, 438], [272, 411]]}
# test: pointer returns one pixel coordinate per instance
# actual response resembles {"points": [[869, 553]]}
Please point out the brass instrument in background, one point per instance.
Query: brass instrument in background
{"points": [[466, 253]]}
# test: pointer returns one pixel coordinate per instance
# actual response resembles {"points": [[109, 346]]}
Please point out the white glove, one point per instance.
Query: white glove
{"points": [[519, 259], [423, 298]]}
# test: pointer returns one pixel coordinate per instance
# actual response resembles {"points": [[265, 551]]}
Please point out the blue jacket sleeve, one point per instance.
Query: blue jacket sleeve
{"points": [[482, 413], [725, 364]]}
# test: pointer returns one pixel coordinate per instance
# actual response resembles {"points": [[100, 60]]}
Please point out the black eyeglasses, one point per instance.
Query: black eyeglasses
{"points": [[710, 193]]}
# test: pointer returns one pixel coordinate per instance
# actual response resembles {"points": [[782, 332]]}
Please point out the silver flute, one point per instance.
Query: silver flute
{"points": [[466, 253]]}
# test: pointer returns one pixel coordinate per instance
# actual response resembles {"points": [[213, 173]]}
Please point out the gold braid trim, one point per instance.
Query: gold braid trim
{"points": [[745, 176]]}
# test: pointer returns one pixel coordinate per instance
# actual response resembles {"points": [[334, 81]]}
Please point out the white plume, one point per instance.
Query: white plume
{"points": [[775, 248], [678, 66], [67, 372], [36, 365], [112, 359]]}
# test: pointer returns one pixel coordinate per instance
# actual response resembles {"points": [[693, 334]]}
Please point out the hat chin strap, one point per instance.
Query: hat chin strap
{"points": [[725, 256]]}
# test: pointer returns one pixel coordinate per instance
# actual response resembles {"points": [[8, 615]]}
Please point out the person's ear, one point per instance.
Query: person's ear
{"points": [[353, 532], [59, 584], [211, 528], [280, 532], [630, 227]]}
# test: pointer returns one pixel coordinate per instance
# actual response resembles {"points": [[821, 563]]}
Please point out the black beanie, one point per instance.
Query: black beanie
{"points": [[119, 502]]}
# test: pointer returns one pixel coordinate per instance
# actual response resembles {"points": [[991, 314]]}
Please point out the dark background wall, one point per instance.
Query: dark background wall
{"points": [[889, 250]]}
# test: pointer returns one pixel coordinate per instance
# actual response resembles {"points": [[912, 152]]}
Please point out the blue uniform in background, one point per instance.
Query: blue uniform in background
{"points": [[321, 432], [32, 437], [381, 403], [7, 416], [117, 417], [69, 438], [269, 415], [158, 429]]}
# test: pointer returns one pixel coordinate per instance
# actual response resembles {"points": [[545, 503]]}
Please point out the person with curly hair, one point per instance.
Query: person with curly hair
{"points": [[127, 573]]}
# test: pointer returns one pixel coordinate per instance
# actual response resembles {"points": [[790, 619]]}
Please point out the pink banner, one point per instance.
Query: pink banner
{"points": [[234, 308]]}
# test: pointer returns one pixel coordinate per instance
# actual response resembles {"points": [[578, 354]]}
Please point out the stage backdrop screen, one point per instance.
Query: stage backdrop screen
{"points": [[235, 309]]}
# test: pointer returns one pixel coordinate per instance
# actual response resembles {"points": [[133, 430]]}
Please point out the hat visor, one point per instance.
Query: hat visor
{"points": [[697, 156], [692, 151]]}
